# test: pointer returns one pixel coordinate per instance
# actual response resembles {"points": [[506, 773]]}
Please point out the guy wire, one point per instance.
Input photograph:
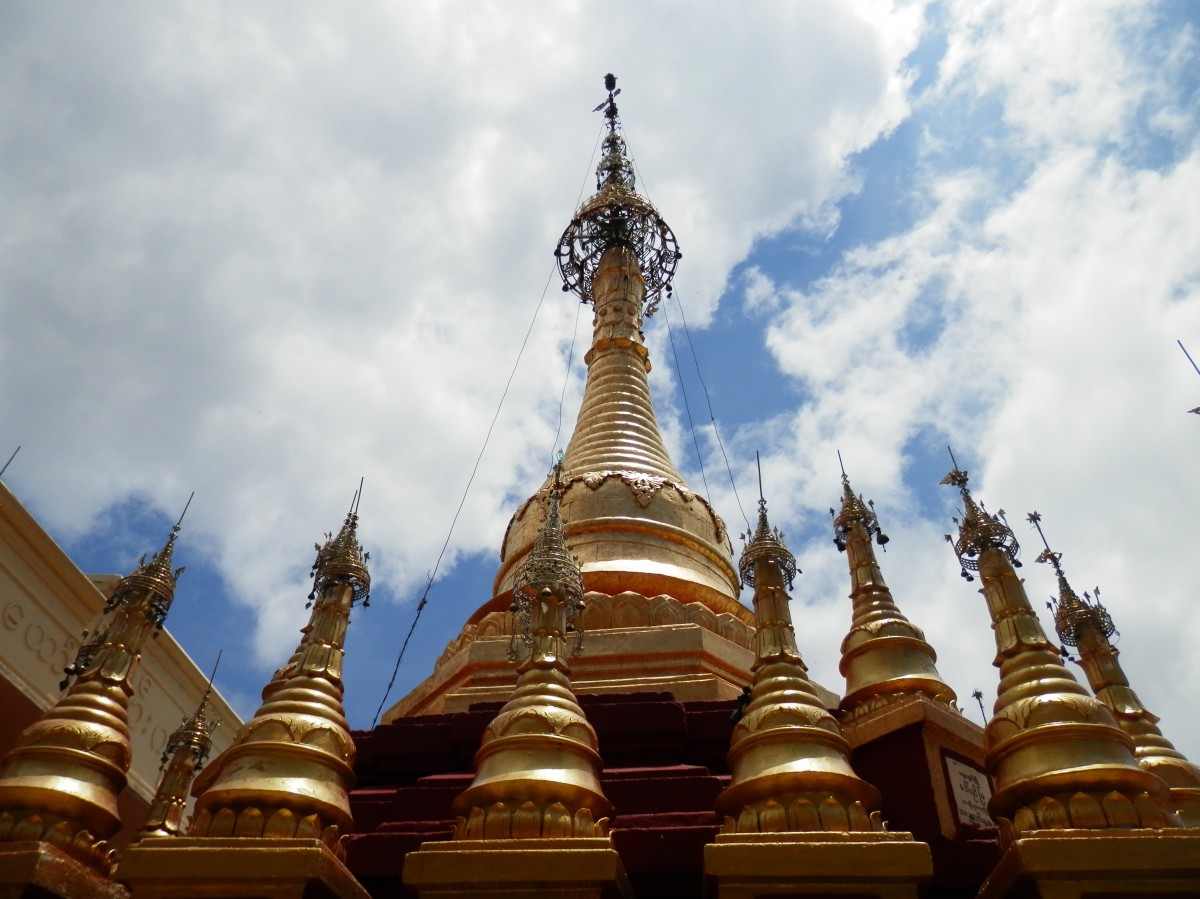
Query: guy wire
{"points": [[478, 459], [696, 361]]}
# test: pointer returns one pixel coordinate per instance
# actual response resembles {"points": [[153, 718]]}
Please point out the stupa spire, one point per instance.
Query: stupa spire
{"points": [[183, 757], [60, 783], [635, 524], [789, 762], [1085, 624], [537, 771], [289, 769], [1056, 756], [884, 656]]}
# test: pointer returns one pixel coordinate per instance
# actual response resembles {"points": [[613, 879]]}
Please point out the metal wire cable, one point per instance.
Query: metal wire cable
{"points": [[696, 362], [686, 406], [478, 459], [566, 378], [711, 416]]}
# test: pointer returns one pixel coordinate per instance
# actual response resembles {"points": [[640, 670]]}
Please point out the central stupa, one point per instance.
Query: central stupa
{"points": [[662, 611]]}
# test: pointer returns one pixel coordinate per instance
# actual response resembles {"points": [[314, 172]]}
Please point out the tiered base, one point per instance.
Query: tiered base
{"points": [[40, 870], [168, 868], [882, 865], [582, 868], [1071, 864]]}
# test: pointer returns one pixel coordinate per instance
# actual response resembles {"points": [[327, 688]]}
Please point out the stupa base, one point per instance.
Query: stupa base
{"points": [[882, 865], [36, 869], [1071, 864], [574, 868], [169, 868]]}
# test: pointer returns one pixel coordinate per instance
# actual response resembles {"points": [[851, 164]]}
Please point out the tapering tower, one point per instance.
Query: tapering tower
{"points": [[885, 657], [1085, 624], [1055, 754], [634, 524], [792, 790], [654, 554], [537, 771], [59, 784], [289, 769], [183, 757]]}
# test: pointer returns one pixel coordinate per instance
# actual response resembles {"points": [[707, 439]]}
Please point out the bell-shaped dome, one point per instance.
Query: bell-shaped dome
{"points": [[631, 521]]}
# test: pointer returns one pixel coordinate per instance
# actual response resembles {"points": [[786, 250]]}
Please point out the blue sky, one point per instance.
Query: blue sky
{"points": [[262, 257]]}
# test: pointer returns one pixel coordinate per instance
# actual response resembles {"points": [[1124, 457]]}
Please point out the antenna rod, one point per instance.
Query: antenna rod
{"points": [[18, 449], [1177, 340], [185, 508], [758, 462], [357, 496], [840, 463], [216, 665], [953, 461]]}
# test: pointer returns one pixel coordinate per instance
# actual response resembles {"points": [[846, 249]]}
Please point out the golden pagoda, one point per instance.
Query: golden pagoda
{"points": [[272, 810], [183, 758], [797, 817], [59, 784], [535, 816], [884, 656], [1086, 624], [1078, 816], [661, 587]]}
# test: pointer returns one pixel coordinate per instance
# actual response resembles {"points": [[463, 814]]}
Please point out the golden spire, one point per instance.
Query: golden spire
{"points": [[635, 524], [537, 772], [289, 769], [790, 764], [60, 783], [1086, 624], [884, 656], [183, 757], [1055, 754]]}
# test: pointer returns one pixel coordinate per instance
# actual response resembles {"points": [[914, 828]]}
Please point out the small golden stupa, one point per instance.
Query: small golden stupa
{"points": [[796, 815], [183, 757], [1085, 624], [885, 657], [59, 784], [1078, 816], [273, 807], [535, 814]]}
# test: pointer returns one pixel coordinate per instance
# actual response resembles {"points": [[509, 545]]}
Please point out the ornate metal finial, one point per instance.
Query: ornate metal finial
{"points": [[617, 216], [765, 543], [86, 652], [854, 509], [1071, 614], [196, 730], [155, 578], [551, 565], [979, 530], [342, 560]]}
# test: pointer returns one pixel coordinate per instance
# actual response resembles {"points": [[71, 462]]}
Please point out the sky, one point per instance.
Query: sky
{"points": [[261, 251]]}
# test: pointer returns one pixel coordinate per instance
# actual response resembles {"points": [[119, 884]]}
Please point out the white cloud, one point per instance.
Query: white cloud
{"points": [[1050, 311], [261, 253]]}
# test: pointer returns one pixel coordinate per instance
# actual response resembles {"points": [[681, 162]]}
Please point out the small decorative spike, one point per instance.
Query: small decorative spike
{"points": [[550, 565], [978, 531]]}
